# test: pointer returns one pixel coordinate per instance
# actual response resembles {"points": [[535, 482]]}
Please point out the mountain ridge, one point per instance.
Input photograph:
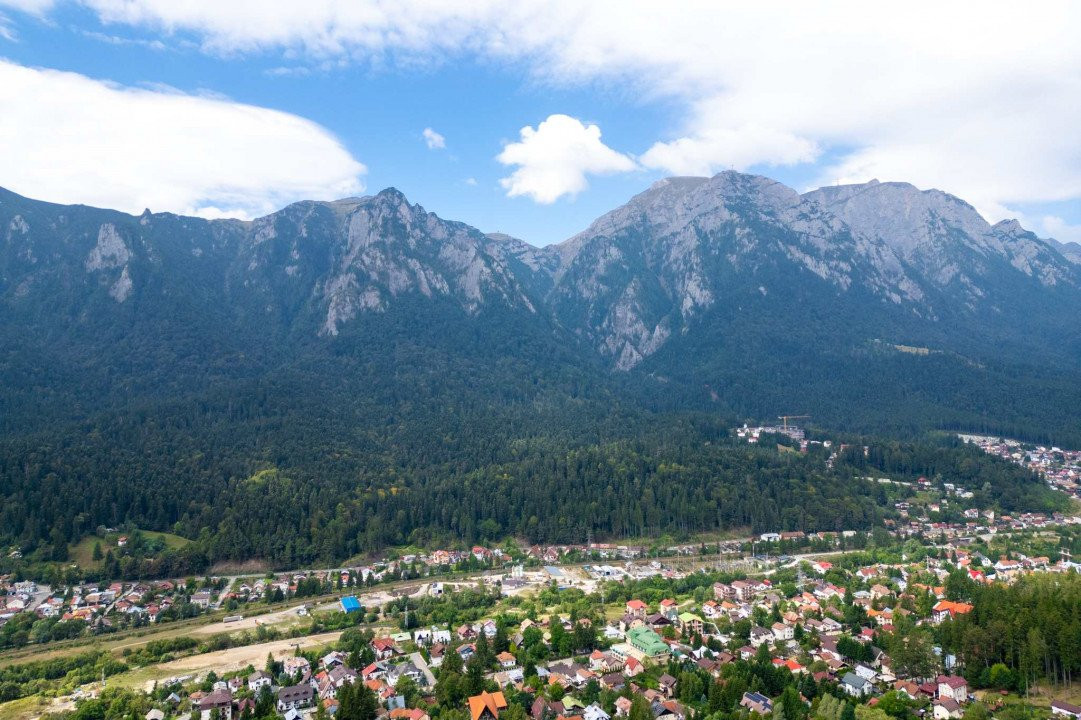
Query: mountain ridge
{"points": [[687, 259]]}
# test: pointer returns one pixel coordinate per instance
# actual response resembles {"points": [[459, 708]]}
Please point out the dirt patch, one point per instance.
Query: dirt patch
{"points": [[249, 623], [248, 567], [222, 661]]}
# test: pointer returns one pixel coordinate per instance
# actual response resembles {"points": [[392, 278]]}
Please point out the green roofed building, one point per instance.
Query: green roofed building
{"points": [[647, 642], [690, 623]]}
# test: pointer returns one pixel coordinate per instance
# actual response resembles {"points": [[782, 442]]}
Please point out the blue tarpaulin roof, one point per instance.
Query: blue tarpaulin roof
{"points": [[349, 604]]}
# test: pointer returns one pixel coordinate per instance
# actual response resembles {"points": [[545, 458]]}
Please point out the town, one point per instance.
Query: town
{"points": [[790, 624], [680, 636], [1061, 468]]}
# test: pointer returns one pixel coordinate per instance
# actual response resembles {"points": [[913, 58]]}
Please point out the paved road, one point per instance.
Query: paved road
{"points": [[422, 665]]}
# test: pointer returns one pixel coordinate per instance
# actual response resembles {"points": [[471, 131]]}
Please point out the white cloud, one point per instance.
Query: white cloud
{"points": [[471, 181], [433, 140], [1057, 228], [554, 158], [983, 104], [720, 148], [33, 7], [108, 39], [287, 71], [71, 139]]}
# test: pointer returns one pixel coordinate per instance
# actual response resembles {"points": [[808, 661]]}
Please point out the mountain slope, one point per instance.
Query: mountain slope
{"points": [[98, 304], [737, 292], [340, 375], [644, 272]]}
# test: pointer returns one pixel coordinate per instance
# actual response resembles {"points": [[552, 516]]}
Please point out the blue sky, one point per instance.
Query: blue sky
{"points": [[617, 98]]}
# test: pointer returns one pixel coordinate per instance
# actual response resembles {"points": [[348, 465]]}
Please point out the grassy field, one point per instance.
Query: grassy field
{"points": [[280, 615], [29, 707], [82, 552], [1044, 694]]}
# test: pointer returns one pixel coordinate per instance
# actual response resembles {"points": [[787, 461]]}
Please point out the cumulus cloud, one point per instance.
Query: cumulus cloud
{"points": [[433, 140], [554, 158], [68, 138], [983, 104]]}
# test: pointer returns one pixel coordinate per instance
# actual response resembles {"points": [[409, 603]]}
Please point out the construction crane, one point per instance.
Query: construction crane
{"points": [[786, 418]]}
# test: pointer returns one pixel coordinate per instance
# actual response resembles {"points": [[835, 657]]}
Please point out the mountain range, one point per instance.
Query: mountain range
{"points": [[709, 289], [366, 343]]}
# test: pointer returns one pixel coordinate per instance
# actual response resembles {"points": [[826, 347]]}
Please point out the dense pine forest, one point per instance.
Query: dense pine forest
{"points": [[291, 490], [1020, 634]]}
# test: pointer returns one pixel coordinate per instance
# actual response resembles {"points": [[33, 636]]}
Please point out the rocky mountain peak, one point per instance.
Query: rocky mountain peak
{"points": [[673, 259], [899, 214], [1009, 227]]}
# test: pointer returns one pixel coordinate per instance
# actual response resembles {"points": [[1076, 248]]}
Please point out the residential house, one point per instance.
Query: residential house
{"points": [[865, 672], [486, 706], [948, 609], [405, 669], [220, 700], [296, 666], [259, 680], [721, 591], [295, 697], [760, 636], [783, 632], [855, 686], [756, 702], [384, 648], [595, 712], [953, 687], [945, 709], [690, 624]]}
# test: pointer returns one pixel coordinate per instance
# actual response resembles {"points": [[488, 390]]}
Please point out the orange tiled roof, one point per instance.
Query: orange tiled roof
{"points": [[492, 702]]}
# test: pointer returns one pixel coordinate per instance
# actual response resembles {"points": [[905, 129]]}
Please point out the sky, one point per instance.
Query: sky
{"points": [[535, 118]]}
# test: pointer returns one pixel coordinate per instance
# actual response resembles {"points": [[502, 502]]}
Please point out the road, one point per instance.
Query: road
{"points": [[422, 665]]}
